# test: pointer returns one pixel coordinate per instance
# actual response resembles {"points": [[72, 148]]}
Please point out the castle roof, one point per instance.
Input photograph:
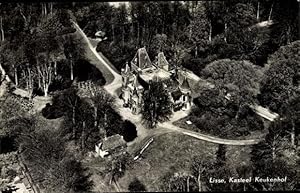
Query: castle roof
{"points": [[185, 85], [127, 68], [141, 59], [150, 74], [161, 60]]}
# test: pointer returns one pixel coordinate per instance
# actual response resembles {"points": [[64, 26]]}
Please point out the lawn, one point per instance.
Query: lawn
{"points": [[253, 134], [170, 150], [92, 59]]}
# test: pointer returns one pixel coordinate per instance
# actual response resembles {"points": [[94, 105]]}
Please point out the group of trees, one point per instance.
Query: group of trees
{"points": [[50, 162], [276, 156], [39, 50], [87, 120], [157, 105], [269, 158], [239, 85], [51, 158], [225, 109], [276, 87], [280, 87], [203, 30], [41, 53], [196, 179]]}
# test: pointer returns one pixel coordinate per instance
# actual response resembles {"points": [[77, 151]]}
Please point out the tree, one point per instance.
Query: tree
{"points": [[221, 155], [11, 127], [215, 113], [73, 55], [182, 182], [269, 158], [136, 186], [291, 112], [275, 156], [69, 103], [12, 60], [199, 30], [67, 175], [159, 44], [157, 104], [45, 73], [85, 122], [272, 146], [281, 78], [180, 52], [117, 166], [215, 11], [129, 131], [105, 117], [46, 156], [285, 17], [200, 168], [238, 80]]}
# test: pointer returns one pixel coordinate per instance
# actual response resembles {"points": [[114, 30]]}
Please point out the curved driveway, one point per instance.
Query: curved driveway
{"points": [[116, 83]]}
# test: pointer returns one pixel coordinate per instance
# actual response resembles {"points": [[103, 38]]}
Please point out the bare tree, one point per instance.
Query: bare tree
{"points": [[45, 72], [1, 29]]}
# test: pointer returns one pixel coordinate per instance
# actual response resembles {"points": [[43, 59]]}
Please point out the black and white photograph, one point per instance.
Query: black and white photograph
{"points": [[149, 96]]}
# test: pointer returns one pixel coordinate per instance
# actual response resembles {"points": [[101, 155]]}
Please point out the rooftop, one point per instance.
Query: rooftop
{"points": [[113, 142], [185, 85], [141, 59], [149, 74]]}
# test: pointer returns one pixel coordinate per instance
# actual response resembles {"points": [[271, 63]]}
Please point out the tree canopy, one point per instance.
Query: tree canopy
{"points": [[157, 105]]}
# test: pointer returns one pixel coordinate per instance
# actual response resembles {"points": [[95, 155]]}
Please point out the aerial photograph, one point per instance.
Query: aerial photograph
{"points": [[149, 96]]}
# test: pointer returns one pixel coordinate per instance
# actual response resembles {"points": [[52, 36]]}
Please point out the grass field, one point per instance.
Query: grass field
{"points": [[253, 134], [176, 150], [92, 59]]}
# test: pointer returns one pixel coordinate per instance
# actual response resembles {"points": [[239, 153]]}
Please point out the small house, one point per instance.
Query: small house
{"points": [[114, 144]]}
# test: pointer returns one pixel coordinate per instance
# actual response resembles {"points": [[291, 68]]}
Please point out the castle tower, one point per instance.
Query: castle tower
{"points": [[186, 94], [136, 98], [135, 106], [125, 73], [141, 60], [139, 91], [162, 61]]}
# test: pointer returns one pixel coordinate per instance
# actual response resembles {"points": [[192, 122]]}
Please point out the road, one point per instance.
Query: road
{"points": [[113, 86], [110, 87]]}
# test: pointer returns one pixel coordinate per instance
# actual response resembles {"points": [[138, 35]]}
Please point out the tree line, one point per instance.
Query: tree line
{"points": [[191, 34], [38, 50]]}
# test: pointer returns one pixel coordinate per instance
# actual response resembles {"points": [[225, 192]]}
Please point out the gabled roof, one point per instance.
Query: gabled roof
{"points": [[162, 61], [185, 84], [141, 59], [113, 142], [127, 68]]}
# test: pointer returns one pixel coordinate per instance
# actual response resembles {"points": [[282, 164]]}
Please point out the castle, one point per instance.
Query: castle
{"points": [[137, 77]]}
